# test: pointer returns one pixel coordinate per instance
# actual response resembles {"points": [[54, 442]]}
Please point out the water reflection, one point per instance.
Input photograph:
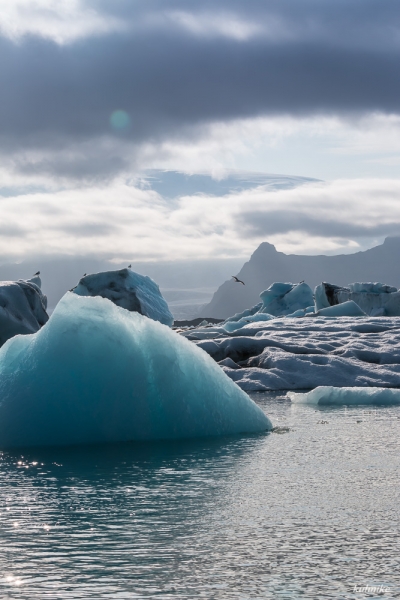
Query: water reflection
{"points": [[306, 514]]}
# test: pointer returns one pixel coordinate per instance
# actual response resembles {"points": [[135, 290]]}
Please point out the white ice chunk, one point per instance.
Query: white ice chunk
{"points": [[229, 363], [129, 290], [98, 373], [345, 309], [235, 325], [22, 308], [328, 395], [245, 313], [302, 312]]}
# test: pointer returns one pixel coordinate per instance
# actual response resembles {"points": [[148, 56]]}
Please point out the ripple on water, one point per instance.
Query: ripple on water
{"points": [[307, 514]]}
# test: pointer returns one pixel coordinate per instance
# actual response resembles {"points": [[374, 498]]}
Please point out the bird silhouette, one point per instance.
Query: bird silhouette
{"points": [[38, 273], [84, 274], [129, 266], [237, 280]]}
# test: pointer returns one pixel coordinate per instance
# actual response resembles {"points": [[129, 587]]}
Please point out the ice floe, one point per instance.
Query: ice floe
{"points": [[292, 354], [326, 396], [98, 373], [129, 290]]}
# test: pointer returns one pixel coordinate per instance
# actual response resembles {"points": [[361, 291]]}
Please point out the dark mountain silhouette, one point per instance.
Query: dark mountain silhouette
{"points": [[267, 265]]}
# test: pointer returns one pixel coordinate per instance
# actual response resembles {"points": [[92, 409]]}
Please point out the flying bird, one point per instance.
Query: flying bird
{"points": [[237, 280], [38, 273]]}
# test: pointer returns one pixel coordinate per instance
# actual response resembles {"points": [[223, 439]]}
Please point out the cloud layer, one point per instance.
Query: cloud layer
{"points": [[129, 223], [93, 92], [178, 66]]}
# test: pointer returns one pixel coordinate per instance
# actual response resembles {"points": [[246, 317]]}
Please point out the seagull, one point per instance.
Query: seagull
{"points": [[38, 273], [237, 280]]}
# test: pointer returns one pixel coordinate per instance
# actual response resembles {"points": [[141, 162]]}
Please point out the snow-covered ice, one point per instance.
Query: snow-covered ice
{"points": [[234, 325], [288, 353], [98, 373], [22, 308], [129, 290], [327, 395]]}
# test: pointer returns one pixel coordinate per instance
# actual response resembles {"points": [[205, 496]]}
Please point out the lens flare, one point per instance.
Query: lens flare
{"points": [[120, 120]]}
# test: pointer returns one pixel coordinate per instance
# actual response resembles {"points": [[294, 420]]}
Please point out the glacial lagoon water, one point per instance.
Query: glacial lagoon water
{"points": [[309, 511]]}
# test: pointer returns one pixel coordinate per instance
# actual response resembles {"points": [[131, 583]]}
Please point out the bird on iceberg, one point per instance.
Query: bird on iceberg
{"points": [[237, 280], [38, 273], [129, 266]]}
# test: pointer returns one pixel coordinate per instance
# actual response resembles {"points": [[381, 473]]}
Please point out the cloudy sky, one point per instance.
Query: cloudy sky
{"points": [[96, 92]]}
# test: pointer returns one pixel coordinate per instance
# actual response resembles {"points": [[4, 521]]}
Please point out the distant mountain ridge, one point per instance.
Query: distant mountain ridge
{"points": [[266, 265]]}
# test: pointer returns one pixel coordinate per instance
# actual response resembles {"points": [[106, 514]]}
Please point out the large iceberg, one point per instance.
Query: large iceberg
{"points": [[22, 308], [284, 298], [329, 395], [125, 288], [98, 373], [280, 299], [375, 299]]}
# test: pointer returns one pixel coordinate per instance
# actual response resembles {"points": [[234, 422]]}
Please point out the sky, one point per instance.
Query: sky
{"points": [[97, 97]]}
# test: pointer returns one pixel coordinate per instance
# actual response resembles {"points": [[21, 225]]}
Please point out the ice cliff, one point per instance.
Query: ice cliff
{"points": [[129, 290], [98, 373], [375, 299], [22, 308]]}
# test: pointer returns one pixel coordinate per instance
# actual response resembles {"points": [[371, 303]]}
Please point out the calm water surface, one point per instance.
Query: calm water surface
{"points": [[304, 514]]}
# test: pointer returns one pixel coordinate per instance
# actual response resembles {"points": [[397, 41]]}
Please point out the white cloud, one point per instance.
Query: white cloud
{"points": [[326, 147], [218, 23], [128, 223], [62, 21]]}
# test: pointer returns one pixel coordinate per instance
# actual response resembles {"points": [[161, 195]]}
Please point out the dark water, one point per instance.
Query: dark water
{"points": [[303, 514]]}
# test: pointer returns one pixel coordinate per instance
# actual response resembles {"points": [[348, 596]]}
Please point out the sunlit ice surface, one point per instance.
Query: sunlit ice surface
{"points": [[310, 510]]}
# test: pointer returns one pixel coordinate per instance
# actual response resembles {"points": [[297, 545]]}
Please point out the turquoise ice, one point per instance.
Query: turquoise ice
{"points": [[99, 373]]}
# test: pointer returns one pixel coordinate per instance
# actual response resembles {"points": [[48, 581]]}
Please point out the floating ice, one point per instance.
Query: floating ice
{"points": [[245, 313], [287, 353], [372, 288], [22, 308], [98, 373], [234, 325], [285, 298], [327, 395], [345, 309], [130, 290], [375, 299]]}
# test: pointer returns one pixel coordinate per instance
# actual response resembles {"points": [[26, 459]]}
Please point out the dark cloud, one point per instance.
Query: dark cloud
{"points": [[320, 56], [260, 223]]}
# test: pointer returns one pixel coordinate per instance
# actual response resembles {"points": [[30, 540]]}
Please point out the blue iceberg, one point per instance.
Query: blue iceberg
{"points": [[99, 373]]}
